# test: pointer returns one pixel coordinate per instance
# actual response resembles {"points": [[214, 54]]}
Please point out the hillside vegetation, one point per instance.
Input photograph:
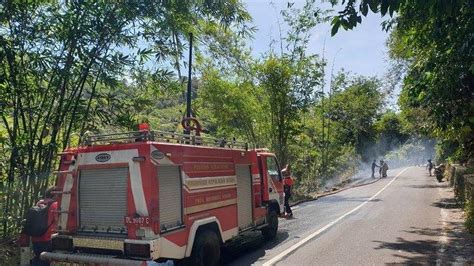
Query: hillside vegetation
{"points": [[73, 67]]}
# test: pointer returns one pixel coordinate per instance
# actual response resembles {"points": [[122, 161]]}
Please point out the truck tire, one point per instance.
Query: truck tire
{"points": [[206, 249], [269, 232]]}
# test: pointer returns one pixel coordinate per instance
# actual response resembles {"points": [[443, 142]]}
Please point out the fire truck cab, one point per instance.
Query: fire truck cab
{"points": [[128, 198]]}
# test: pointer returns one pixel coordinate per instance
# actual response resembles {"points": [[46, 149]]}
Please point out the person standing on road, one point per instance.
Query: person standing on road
{"points": [[430, 166], [373, 168], [384, 168], [380, 168], [287, 187], [43, 243]]}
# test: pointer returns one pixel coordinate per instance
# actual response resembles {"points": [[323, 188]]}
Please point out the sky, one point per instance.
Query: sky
{"points": [[360, 51]]}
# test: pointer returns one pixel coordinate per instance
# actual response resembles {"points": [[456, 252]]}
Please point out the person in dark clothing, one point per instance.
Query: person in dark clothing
{"points": [[384, 168], [43, 243], [430, 166], [373, 168], [287, 186], [380, 168]]}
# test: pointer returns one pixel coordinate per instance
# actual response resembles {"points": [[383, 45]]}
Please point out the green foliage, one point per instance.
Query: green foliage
{"points": [[439, 79], [234, 108], [391, 130], [275, 78], [275, 110], [351, 15], [73, 67], [430, 36], [69, 67], [469, 212], [460, 185], [352, 114], [469, 206], [414, 151], [263, 100]]}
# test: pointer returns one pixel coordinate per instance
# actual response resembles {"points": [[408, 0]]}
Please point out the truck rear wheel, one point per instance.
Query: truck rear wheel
{"points": [[270, 231], [206, 249]]}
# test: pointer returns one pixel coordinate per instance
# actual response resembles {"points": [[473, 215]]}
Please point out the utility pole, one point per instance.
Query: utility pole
{"points": [[188, 94]]}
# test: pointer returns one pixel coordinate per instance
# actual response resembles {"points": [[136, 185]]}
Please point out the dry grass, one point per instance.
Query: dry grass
{"points": [[9, 252]]}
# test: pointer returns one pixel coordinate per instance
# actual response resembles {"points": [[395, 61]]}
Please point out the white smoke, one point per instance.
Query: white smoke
{"points": [[415, 151]]}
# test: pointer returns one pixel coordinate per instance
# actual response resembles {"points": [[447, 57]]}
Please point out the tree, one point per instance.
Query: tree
{"points": [[275, 76], [353, 114], [435, 39], [63, 66], [234, 108], [391, 130], [265, 99], [356, 104]]}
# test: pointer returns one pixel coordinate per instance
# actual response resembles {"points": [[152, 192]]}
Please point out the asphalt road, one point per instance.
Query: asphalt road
{"points": [[395, 220]]}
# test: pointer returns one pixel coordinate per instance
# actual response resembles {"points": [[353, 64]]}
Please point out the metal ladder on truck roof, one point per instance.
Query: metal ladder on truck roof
{"points": [[162, 136]]}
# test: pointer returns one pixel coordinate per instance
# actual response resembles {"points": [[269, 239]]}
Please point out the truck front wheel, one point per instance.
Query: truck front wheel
{"points": [[270, 231], [206, 249]]}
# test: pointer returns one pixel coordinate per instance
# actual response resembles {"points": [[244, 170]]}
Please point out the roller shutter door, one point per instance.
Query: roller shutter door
{"points": [[244, 195], [103, 200], [170, 196]]}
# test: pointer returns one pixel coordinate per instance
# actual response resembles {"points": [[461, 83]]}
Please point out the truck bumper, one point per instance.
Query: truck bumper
{"points": [[66, 246], [89, 259]]}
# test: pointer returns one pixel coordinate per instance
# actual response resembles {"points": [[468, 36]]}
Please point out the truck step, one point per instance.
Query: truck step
{"points": [[68, 162], [66, 153], [62, 172], [89, 259], [60, 192], [60, 212]]}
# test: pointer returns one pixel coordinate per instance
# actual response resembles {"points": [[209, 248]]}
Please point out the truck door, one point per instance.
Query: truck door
{"points": [[272, 179]]}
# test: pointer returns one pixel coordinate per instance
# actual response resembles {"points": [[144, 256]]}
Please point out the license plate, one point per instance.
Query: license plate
{"points": [[137, 220]]}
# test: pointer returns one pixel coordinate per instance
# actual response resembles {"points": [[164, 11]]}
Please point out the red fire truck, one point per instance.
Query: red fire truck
{"points": [[128, 198]]}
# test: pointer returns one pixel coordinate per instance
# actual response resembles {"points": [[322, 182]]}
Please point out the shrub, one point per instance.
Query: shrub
{"points": [[469, 194], [449, 174], [459, 184], [469, 211]]}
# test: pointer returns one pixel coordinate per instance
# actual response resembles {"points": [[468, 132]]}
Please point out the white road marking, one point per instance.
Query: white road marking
{"points": [[318, 232]]}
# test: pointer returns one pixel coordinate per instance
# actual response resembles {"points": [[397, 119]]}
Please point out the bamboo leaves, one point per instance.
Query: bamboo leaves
{"points": [[61, 67]]}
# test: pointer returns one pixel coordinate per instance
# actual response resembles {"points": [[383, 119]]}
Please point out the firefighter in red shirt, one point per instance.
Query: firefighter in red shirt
{"points": [[144, 126], [43, 243], [287, 187]]}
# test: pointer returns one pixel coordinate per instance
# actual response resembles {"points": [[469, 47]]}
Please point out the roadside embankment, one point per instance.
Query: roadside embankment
{"points": [[461, 178], [336, 188]]}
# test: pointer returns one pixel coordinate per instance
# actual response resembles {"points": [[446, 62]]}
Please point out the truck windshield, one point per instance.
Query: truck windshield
{"points": [[272, 168]]}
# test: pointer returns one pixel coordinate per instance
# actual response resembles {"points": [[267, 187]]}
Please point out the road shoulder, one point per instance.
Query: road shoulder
{"points": [[456, 244], [336, 189]]}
